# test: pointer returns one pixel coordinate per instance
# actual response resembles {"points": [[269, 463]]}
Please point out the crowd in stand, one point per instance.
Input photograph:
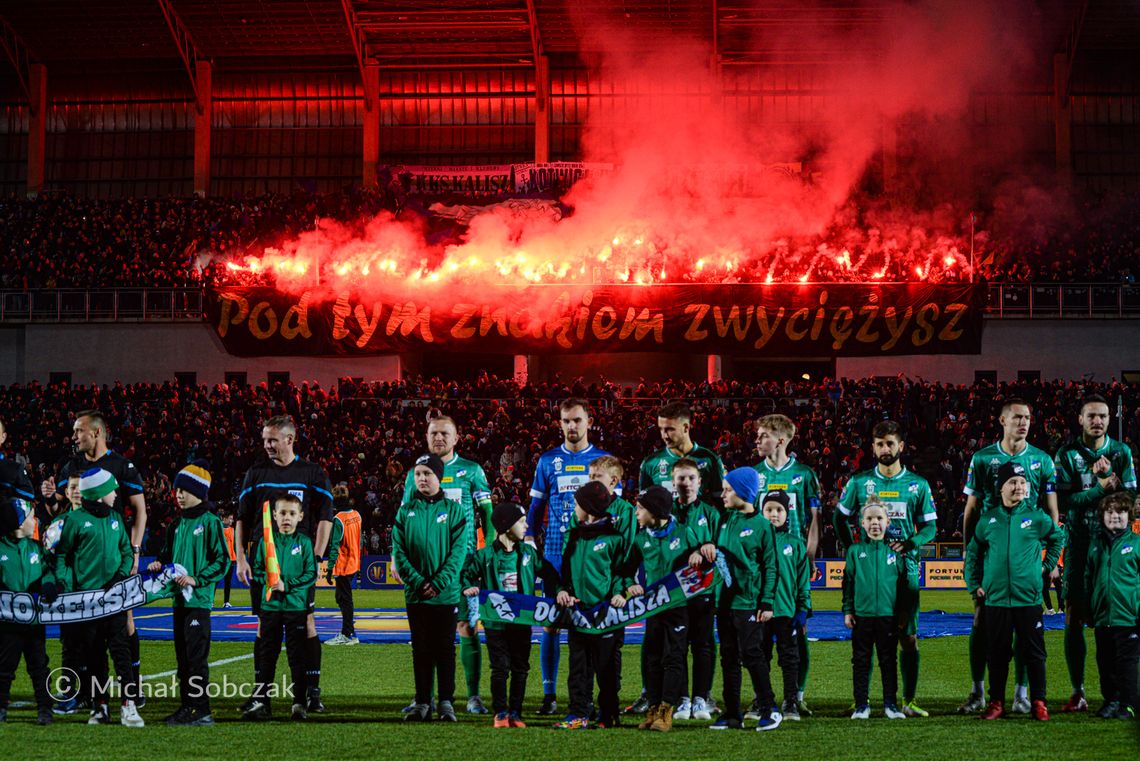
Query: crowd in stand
{"points": [[62, 241], [367, 435]]}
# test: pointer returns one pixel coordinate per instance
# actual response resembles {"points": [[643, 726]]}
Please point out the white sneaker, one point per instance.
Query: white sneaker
{"points": [[227, 605], [339, 639], [701, 710], [684, 711], [1021, 705], [893, 712], [862, 713], [129, 715], [351, 640]]}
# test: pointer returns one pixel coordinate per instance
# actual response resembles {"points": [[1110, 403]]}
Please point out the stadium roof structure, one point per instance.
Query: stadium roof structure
{"points": [[416, 33]]}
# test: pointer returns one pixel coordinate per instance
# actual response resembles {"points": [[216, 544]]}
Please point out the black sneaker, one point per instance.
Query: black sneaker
{"points": [[639, 706], [100, 714], [199, 718], [314, 704], [549, 706], [1108, 710], [299, 713], [246, 706], [178, 718], [44, 716], [727, 723], [447, 711], [140, 701], [258, 711]]}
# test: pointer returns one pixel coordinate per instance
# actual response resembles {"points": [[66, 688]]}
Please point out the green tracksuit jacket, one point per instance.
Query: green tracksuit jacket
{"points": [[793, 575], [496, 568], [661, 551], [594, 561], [1004, 557], [298, 571], [701, 518], [21, 564], [93, 550], [197, 541], [624, 515], [1113, 578], [749, 546], [871, 579], [429, 543]]}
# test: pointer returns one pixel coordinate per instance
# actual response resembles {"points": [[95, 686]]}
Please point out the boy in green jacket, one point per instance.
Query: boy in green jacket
{"points": [[748, 544], [94, 552], [1113, 593], [429, 548], [197, 542], [21, 568], [702, 519], [1003, 569], [286, 611], [792, 604], [507, 564], [72, 658], [662, 545], [592, 573], [871, 578]]}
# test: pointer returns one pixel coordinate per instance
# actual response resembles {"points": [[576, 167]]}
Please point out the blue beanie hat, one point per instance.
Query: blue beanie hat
{"points": [[745, 482]]}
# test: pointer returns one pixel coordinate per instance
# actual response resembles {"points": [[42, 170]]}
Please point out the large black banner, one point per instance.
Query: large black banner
{"points": [[774, 320]]}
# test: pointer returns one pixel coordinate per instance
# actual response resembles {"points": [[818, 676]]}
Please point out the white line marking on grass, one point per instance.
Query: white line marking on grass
{"points": [[222, 662]]}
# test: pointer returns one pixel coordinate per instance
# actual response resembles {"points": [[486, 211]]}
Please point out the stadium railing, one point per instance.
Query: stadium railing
{"points": [[1004, 300], [102, 305], [1063, 300]]}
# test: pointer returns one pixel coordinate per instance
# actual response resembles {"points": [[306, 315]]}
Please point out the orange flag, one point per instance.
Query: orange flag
{"points": [[272, 567]]}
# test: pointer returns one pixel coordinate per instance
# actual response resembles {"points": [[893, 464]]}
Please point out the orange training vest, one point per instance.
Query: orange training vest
{"points": [[348, 559], [229, 532]]}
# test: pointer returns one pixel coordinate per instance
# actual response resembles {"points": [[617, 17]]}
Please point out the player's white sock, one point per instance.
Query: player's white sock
{"points": [[980, 688], [1021, 692], [800, 695]]}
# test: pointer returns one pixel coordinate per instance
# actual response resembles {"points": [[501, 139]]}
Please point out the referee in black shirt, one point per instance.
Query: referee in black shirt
{"points": [[285, 472]]}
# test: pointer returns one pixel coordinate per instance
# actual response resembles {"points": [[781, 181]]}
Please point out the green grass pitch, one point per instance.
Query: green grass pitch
{"points": [[366, 685]]}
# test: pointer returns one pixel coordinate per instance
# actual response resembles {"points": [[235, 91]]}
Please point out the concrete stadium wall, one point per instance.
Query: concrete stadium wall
{"points": [[104, 353], [1067, 349]]}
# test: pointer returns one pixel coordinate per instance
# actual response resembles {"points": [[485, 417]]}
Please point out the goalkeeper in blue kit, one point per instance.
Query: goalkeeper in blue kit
{"points": [[557, 476]]}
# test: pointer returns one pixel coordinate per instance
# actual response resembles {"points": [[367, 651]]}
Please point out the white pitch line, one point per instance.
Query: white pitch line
{"points": [[222, 662]]}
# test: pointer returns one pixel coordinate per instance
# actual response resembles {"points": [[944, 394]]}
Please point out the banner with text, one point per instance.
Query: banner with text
{"points": [[481, 180], [773, 320], [87, 605], [671, 591], [555, 176]]}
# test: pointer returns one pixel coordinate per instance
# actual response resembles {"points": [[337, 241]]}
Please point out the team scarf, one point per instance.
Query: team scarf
{"points": [[673, 590], [88, 605], [272, 567]]}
